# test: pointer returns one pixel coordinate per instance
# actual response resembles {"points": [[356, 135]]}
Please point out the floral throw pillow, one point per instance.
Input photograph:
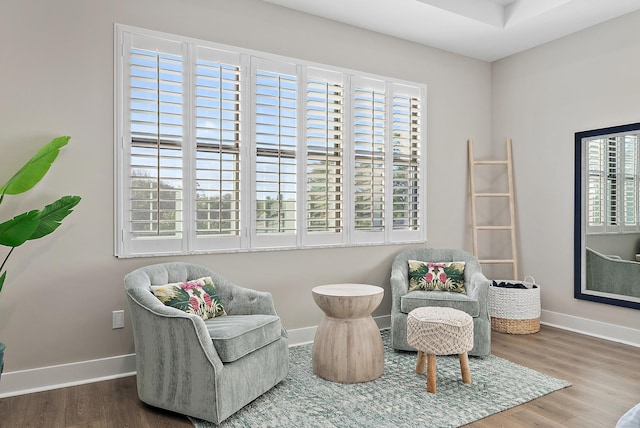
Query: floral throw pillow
{"points": [[198, 297], [431, 276]]}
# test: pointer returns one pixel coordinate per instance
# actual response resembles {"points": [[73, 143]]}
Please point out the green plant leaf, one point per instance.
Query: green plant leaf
{"points": [[4, 275], [19, 229], [33, 171], [52, 215], [179, 300]]}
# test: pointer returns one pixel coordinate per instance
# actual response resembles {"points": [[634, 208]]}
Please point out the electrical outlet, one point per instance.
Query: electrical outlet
{"points": [[118, 319]]}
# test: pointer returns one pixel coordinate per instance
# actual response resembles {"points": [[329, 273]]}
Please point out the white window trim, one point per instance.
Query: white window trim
{"points": [[248, 239]]}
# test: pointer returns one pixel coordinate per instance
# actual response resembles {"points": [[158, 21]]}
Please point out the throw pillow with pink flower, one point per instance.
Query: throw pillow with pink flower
{"points": [[436, 276], [198, 297]]}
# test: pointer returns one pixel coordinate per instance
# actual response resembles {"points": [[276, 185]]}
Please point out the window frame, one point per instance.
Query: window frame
{"points": [[248, 239]]}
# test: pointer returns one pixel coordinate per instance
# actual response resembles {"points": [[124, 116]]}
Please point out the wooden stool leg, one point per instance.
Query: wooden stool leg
{"points": [[464, 368], [422, 358], [431, 373]]}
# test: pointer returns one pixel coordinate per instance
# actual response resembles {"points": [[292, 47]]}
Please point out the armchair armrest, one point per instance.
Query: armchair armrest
{"points": [[245, 301], [159, 325], [478, 288], [399, 283]]}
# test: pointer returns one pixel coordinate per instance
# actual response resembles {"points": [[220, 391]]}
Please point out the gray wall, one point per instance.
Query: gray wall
{"points": [[624, 245], [540, 98], [56, 78]]}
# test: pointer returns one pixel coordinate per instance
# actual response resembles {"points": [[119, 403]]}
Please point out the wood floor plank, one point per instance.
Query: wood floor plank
{"points": [[84, 405], [551, 408], [604, 376], [528, 418], [45, 409], [118, 412], [13, 411]]}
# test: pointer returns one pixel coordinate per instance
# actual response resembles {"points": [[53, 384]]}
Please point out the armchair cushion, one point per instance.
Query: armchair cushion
{"points": [[235, 336], [198, 297], [436, 276], [418, 299]]}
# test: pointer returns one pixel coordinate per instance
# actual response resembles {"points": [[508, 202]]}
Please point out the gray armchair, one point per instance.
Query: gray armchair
{"points": [[474, 301], [205, 369]]}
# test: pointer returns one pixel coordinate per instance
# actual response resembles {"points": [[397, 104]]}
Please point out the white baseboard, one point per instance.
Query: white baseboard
{"points": [[302, 336], [602, 330], [53, 377]]}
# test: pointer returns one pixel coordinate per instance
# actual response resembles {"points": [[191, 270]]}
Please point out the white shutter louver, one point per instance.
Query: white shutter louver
{"points": [[218, 144]]}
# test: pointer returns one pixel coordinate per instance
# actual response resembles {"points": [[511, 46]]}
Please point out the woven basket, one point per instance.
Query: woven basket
{"points": [[515, 310]]}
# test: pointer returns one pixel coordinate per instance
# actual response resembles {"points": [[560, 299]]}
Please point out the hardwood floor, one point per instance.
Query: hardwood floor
{"points": [[605, 377]]}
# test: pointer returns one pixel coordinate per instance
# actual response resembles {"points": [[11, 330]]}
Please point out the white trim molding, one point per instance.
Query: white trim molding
{"points": [[63, 375], [602, 330]]}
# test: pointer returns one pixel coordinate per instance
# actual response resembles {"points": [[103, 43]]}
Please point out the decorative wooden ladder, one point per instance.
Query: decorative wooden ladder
{"points": [[511, 226]]}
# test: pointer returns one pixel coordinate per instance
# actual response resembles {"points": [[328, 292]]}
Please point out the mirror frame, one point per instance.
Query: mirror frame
{"points": [[579, 231]]}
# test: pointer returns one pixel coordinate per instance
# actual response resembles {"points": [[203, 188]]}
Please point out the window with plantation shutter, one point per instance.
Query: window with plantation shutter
{"points": [[220, 148], [155, 137], [612, 184], [276, 90], [595, 195], [630, 181], [218, 88], [369, 144], [406, 150], [325, 181]]}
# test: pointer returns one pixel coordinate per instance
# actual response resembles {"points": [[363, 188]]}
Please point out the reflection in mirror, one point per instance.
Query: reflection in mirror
{"points": [[607, 215]]}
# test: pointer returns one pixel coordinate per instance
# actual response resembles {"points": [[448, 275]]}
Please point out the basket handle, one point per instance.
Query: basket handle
{"points": [[529, 282]]}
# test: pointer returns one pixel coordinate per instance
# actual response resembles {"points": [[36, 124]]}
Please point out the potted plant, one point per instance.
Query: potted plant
{"points": [[32, 224]]}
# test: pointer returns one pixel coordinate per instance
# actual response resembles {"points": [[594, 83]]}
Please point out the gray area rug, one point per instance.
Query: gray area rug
{"points": [[397, 399]]}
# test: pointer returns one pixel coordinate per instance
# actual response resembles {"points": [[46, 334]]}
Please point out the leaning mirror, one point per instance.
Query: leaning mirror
{"points": [[607, 215]]}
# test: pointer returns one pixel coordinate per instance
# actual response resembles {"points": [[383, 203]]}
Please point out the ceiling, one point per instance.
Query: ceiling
{"points": [[482, 29]]}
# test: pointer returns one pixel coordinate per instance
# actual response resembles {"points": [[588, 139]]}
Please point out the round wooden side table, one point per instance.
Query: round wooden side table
{"points": [[348, 347]]}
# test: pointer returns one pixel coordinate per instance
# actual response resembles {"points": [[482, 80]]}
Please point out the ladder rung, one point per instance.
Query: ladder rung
{"points": [[491, 162], [492, 195], [496, 261], [494, 227]]}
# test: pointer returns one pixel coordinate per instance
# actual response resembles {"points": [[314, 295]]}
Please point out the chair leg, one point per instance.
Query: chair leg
{"points": [[431, 373], [422, 359], [464, 368]]}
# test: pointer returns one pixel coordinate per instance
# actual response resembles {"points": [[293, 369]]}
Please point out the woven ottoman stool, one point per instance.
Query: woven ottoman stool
{"points": [[440, 331]]}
